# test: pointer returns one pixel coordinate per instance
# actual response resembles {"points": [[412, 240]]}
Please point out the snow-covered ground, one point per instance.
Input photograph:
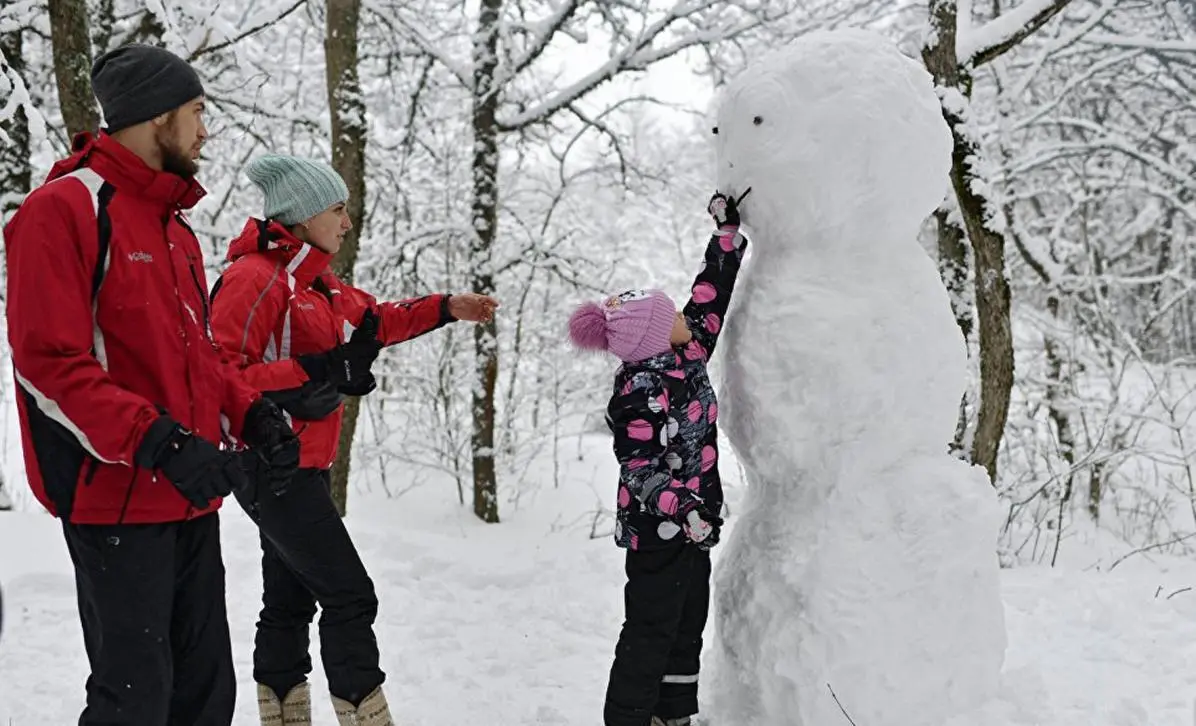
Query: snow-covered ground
{"points": [[515, 624]]}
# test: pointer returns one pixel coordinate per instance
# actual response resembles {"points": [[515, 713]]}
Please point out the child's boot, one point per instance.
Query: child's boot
{"points": [[658, 721], [372, 711], [294, 710]]}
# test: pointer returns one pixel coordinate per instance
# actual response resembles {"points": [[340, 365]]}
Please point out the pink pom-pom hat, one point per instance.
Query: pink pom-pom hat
{"points": [[633, 325]]}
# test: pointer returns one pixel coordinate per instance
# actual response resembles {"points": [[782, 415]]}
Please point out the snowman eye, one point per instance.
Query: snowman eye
{"points": [[714, 131], [758, 120]]}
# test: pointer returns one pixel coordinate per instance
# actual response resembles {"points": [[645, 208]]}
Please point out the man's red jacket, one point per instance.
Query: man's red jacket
{"points": [[108, 322]]}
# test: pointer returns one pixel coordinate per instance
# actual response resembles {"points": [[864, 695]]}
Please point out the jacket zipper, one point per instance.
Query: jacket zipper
{"points": [[203, 297], [128, 495]]}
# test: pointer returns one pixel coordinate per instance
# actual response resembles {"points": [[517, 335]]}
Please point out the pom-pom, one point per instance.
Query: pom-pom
{"points": [[587, 327]]}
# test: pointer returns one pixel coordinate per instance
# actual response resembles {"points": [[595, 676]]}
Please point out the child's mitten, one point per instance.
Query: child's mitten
{"points": [[696, 528]]}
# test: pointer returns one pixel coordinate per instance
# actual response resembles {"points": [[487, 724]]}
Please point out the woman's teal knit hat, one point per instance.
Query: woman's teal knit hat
{"points": [[296, 189]]}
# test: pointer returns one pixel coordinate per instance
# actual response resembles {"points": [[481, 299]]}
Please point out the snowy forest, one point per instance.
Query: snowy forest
{"points": [[546, 151]]}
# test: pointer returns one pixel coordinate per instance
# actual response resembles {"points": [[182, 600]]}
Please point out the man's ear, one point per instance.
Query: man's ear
{"points": [[161, 119]]}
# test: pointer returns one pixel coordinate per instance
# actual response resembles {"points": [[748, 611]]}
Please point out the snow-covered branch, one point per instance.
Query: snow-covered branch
{"points": [[13, 87], [983, 44], [254, 28], [638, 54], [542, 34], [1142, 43], [420, 36]]}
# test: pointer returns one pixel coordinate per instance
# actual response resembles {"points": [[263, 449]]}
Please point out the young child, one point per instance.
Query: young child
{"points": [[663, 415]]}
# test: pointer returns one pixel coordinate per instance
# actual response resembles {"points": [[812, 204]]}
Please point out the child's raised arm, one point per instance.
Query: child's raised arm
{"points": [[707, 307], [639, 418]]}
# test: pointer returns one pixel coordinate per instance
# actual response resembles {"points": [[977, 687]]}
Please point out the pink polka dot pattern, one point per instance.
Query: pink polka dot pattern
{"points": [[704, 292], [667, 501], [708, 458], [624, 497], [639, 430]]}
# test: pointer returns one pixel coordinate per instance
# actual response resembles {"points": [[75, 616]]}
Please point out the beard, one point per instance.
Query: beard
{"points": [[175, 160]]}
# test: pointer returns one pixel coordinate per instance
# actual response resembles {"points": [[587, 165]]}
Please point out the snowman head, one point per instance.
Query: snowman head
{"points": [[835, 131]]}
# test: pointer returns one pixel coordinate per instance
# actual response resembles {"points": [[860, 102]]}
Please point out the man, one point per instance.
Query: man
{"points": [[124, 397]]}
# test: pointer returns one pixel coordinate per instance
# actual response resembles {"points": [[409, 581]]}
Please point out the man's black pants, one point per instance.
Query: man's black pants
{"points": [[151, 601], [655, 673], [308, 558]]}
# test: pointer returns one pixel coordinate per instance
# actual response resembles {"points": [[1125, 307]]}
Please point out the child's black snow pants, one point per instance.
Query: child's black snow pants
{"points": [[655, 672], [308, 558]]}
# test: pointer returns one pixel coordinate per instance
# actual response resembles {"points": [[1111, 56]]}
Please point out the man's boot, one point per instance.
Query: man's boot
{"points": [[294, 710], [372, 711]]}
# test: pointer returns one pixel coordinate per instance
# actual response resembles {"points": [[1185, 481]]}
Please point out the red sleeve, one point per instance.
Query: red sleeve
{"points": [[52, 252], [245, 312], [398, 321]]}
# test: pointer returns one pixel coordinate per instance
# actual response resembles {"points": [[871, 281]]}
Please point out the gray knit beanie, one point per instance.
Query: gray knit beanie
{"points": [[135, 83], [296, 189]]}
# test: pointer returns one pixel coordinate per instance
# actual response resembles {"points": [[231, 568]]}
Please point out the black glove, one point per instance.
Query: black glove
{"points": [[197, 468], [724, 209], [272, 443], [347, 366]]}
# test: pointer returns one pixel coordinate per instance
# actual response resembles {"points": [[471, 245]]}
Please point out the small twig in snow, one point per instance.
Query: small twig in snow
{"points": [[840, 705], [1156, 546]]}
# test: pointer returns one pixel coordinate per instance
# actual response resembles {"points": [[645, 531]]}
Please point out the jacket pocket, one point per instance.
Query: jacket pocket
{"points": [[90, 464]]}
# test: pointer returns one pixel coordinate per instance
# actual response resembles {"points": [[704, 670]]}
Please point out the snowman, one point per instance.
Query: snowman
{"points": [[861, 578]]}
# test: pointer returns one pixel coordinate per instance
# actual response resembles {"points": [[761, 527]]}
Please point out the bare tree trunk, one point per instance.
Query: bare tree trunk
{"points": [[72, 64], [953, 268], [347, 109], [484, 210], [988, 247]]}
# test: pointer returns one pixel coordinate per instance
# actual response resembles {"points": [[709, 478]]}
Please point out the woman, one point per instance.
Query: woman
{"points": [[306, 339]]}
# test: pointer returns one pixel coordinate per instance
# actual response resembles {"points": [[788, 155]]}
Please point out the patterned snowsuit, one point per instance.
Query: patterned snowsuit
{"points": [[663, 416]]}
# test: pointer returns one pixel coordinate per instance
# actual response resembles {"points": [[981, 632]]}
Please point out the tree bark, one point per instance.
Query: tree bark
{"points": [[347, 109], [484, 211], [988, 246], [16, 174], [71, 43], [953, 268]]}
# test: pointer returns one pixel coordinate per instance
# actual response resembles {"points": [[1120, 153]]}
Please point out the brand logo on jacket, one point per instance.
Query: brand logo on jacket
{"points": [[140, 256]]}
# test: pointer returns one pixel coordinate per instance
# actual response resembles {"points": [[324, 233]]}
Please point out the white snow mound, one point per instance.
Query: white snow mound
{"points": [[864, 558]]}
